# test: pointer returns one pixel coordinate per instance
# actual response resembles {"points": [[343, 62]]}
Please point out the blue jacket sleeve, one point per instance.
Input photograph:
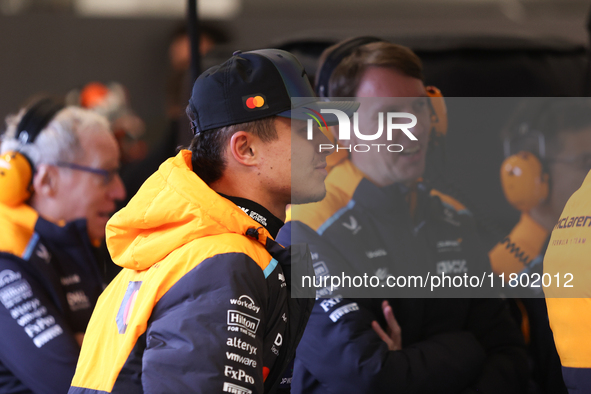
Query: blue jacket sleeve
{"points": [[577, 380], [38, 351], [344, 354], [214, 331]]}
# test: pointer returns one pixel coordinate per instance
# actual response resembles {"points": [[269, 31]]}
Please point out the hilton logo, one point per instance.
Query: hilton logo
{"points": [[247, 322]]}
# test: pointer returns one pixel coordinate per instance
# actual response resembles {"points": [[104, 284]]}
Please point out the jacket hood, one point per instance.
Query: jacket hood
{"points": [[173, 207]]}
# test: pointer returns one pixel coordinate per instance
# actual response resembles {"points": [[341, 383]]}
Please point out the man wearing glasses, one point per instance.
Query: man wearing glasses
{"points": [[66, 161], [379, 219]]}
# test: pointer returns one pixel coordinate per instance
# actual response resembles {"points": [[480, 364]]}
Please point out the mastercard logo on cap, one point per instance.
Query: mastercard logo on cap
{"points": [[255, 101]]}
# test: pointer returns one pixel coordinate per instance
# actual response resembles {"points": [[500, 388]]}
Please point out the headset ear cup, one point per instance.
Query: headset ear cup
{"points": [[524, 182], [15, 178], [438, 111]]}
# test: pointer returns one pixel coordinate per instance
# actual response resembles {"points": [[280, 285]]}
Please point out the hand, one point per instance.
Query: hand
{"points": [[393, 337], [79, 337]]}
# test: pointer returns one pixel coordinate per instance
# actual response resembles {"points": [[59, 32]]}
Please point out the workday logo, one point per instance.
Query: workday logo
{"points": [[388, 121]]}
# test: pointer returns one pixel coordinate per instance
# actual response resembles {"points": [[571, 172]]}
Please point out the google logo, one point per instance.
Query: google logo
{"points": [[255, 102]]}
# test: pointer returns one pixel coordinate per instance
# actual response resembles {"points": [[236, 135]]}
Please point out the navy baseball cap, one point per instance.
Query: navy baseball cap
{"points": [[254, 85]]}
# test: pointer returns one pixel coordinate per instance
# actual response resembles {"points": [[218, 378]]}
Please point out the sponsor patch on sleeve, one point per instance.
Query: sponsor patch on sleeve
{"points": [[235, 389], [17, 297], [242, 322], [127, 305], [342, 311]]}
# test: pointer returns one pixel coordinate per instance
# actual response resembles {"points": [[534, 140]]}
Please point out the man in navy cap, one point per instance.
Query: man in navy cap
{"points": [[203, 303]]}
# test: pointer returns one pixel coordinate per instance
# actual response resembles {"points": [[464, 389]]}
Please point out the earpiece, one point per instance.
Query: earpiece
{"points": [[16, 173], [334, 58], [438, 112], [524, 178], [16, 169], [524, 181]]}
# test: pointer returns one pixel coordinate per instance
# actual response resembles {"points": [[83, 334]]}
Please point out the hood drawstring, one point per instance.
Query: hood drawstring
{"points": [[253, 232]]}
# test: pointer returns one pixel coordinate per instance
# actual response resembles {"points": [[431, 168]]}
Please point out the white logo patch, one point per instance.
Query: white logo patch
{"points": [[376, 253], [5, 164], [237, 374], [320, 269], [242, 345], [243, 321], [282, 279], [352, 225], [452, 245], [235, 389], [70, 280], [382, 273], [342, 311], [43, 253], [249, 362], [330, 302], [452, 267], [246, 302], [8, 276], [77, 300], [450, 217]]}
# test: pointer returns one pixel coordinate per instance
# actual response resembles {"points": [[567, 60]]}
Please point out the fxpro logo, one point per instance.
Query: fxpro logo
{"points": [[391, 124]]}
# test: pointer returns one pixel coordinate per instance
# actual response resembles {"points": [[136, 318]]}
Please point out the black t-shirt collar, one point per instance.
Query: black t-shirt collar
{"points": [[258, 213]]}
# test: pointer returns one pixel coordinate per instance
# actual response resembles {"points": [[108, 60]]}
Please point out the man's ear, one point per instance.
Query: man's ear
{"points": [[244, 148], [45, 180]]}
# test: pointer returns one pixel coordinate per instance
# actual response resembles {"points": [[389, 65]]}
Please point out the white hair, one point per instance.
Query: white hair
{"points": [[59, 140]]}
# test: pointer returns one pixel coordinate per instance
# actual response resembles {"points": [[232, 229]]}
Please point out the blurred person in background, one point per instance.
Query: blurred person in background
{"points": [[112, 101], [377, 203], [58, 187], [178, 91], [179, 58], [548, 149], [568, 296]]}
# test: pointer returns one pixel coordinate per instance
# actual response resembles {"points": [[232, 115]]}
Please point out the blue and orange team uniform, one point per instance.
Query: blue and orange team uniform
{"points": [[202, 304], [448, 345], [49, 284], [569, 308]]}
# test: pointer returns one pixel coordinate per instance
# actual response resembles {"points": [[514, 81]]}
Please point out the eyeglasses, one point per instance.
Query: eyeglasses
{"points": [[582, 161], [108, 175]]}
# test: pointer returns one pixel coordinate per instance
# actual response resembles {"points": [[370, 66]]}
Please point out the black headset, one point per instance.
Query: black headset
{"points": [[524, 174], [334, 58], [16, 169]]}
